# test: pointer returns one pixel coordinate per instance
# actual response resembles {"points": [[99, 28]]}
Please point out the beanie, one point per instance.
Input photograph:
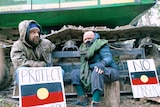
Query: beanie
{"points": [[33, 26], [88, 34]]}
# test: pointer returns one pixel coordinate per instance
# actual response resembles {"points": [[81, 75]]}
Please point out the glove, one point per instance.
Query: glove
{"points": [[100, 64], [99, 70], [99, 67]]}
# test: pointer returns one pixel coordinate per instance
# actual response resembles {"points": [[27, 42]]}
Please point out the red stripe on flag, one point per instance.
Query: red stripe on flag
{"points": [[33, 100], [151, 80]]}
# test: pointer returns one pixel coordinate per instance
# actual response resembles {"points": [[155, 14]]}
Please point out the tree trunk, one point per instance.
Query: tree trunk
{"points": [[112, 94]]}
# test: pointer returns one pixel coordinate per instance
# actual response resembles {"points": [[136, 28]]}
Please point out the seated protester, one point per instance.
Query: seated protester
{"points": [[30, 50], [97, 68]]}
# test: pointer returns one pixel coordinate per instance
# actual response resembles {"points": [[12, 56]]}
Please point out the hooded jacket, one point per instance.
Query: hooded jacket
{"points": [[23, 54], [92, 56]]}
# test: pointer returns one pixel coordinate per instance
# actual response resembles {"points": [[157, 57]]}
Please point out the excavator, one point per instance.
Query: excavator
{"points": [[66, 20]]}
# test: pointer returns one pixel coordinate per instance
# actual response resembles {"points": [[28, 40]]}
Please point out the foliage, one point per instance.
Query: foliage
{"points": [[151, 17]]}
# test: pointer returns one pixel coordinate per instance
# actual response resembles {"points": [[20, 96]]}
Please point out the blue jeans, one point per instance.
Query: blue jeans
{"points": [[97, 80]]}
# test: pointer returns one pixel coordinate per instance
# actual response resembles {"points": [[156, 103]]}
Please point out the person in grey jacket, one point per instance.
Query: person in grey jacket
{"points": [[30, 50], [97, 67]]}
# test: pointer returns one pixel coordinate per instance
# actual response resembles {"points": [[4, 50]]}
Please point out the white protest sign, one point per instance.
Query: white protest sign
{"points": [[143, 77], [41, 87]]}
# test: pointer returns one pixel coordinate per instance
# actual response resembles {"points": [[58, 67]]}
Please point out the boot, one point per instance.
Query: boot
{"points": [[82, 101], [94, 104]]}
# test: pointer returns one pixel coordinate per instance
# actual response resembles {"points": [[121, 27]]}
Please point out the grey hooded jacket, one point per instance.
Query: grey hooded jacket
{"points": [[23, 54]]}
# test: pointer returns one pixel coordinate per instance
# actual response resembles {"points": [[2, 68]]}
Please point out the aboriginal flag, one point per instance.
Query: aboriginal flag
{"points": [[41, 94], [142, 78]]}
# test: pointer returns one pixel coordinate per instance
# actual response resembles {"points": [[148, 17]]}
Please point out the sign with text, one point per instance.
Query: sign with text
{"points": [[143, 77], [41, 87]]}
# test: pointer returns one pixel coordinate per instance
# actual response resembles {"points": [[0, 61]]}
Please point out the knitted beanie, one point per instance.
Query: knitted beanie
{"points": [[33, 26], [88, 34]]}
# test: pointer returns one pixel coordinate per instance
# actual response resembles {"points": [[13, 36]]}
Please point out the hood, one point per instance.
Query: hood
{"points": [[23, 28], [96, 36]]}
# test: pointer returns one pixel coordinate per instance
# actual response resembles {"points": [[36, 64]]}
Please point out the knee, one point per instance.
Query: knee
{"points": [[75, 77], [75, 74], [114, 75]]}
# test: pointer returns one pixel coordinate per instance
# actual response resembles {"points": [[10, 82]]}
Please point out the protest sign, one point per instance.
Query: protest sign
{"points": [[41, 87], [143, 77]]}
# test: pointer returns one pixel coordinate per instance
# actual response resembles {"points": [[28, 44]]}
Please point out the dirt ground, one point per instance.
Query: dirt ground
{"points": [[7, 102], [125, 101], [130, 102]]}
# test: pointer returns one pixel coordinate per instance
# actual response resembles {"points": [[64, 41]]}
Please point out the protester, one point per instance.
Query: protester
{"points": [[97, 68], [30, 50]]}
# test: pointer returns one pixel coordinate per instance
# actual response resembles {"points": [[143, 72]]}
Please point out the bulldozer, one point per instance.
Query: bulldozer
{"points": [[64, 22]]}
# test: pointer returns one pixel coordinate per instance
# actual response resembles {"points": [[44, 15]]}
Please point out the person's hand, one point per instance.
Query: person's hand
{"points": [[47, 46], [100, 64], [99, 70], [100, 67]]}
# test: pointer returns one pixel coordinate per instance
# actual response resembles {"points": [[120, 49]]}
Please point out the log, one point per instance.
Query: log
{"points": [[112, 94]]}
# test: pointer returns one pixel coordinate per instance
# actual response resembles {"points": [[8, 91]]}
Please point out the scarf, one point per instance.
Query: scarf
{"points": [[86, 54]]}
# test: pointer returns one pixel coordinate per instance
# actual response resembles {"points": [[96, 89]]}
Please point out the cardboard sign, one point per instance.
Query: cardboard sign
{"points": [[41, 87], [143, 77]]}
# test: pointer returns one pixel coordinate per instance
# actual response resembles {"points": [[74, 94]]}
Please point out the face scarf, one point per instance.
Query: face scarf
{"points": [[89, 43]]}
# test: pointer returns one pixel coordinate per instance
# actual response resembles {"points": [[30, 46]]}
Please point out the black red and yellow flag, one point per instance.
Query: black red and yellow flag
{"points": [[144, 77], [41, 94]]}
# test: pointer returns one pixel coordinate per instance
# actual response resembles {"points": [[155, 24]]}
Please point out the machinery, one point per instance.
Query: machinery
{"points": [[64, 20]]}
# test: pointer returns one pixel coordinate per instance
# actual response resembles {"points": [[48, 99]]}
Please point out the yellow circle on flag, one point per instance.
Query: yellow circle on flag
{"points": [[42, 93], [144, 78]]}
